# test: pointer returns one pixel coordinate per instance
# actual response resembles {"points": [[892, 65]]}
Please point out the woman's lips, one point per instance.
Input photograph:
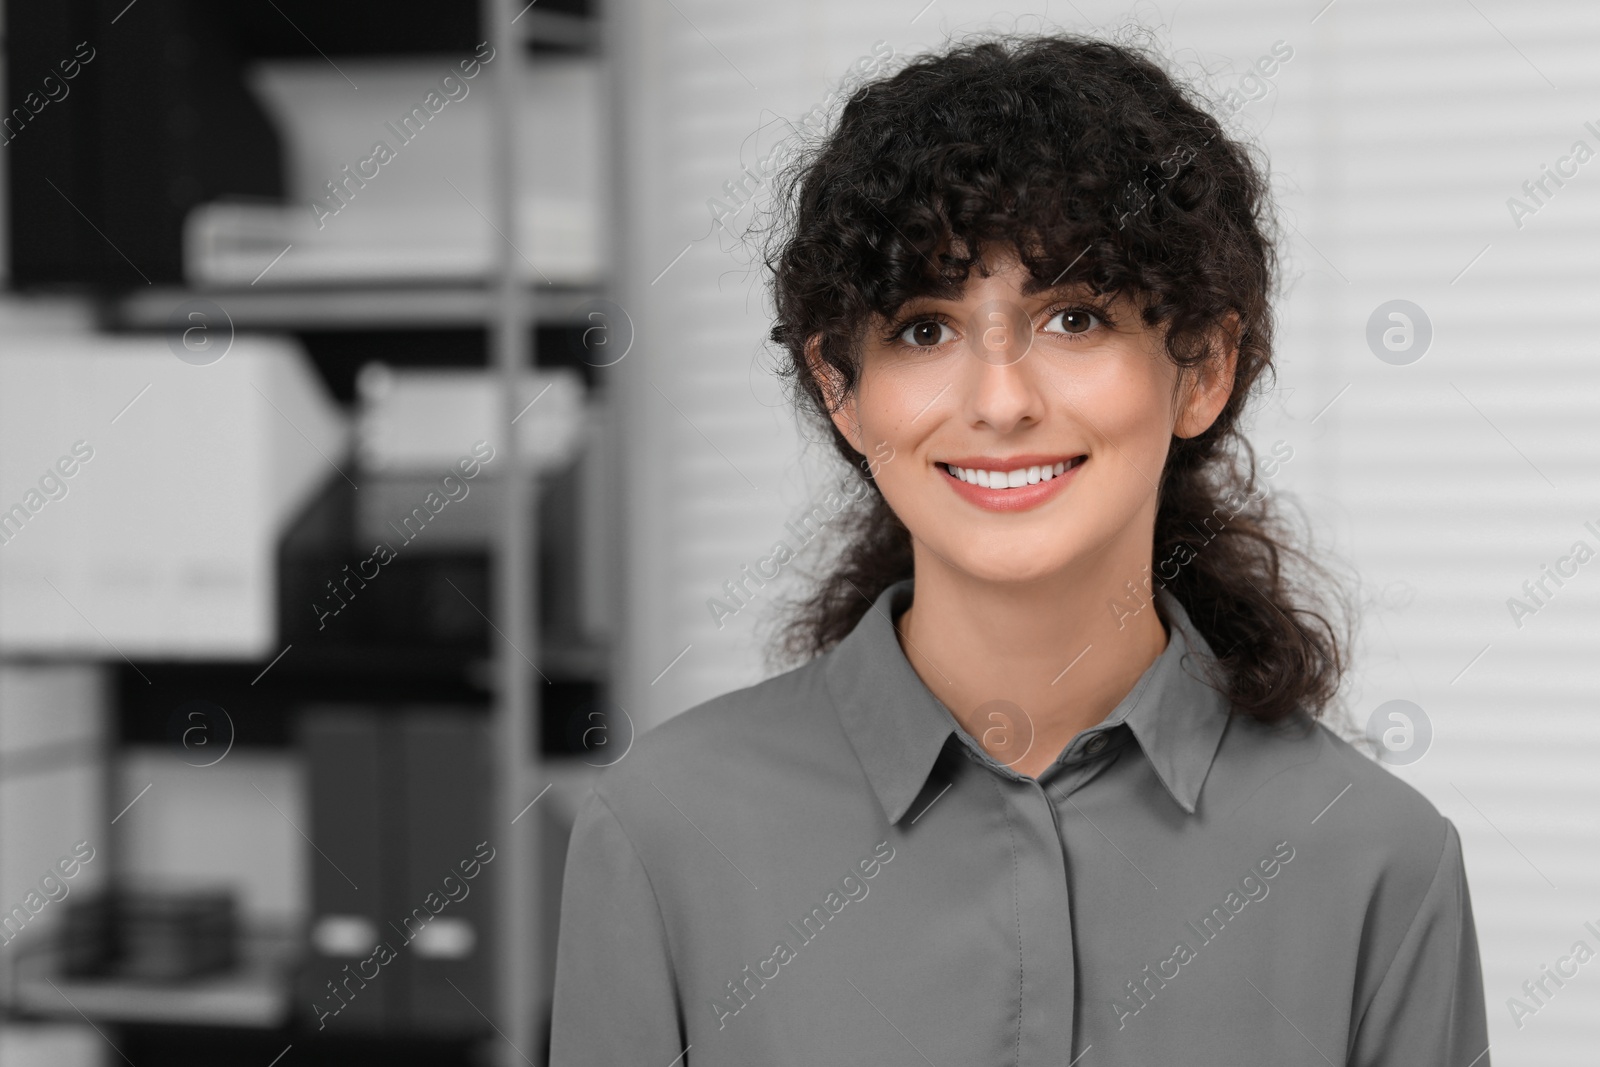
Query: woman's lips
{"points": [[1019, 498]]}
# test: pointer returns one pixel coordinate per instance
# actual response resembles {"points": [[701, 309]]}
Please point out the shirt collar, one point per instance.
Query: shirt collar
{"points": [[898, 727]]}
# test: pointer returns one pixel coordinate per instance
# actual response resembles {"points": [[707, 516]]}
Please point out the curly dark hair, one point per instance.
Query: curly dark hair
{"points": [[1093, 165]]}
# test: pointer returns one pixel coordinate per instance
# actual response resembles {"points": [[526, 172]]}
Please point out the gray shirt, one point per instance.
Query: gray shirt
{"points": [[826, 869]]}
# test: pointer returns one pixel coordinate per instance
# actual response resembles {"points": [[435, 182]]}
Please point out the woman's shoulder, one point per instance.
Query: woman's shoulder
{"points": [[732, 745], [1305, 783]]}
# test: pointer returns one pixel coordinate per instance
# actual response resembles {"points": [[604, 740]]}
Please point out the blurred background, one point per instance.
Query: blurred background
{"points": [[383, 403]]}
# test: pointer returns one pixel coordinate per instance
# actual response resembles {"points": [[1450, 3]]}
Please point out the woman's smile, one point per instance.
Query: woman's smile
{"points": [[1014, 484]]}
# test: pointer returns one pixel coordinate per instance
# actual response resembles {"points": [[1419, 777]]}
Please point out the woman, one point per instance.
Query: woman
{"points": [[1052, 787]]}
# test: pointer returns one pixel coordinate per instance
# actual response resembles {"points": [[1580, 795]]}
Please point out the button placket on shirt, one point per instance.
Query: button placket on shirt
{"points": [[1046, 959], [1079, 765], [1047, 969], [1043, 895]]}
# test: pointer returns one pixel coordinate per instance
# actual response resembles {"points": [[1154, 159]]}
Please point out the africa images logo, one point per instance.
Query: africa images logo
{"points": [[1140, 992]]}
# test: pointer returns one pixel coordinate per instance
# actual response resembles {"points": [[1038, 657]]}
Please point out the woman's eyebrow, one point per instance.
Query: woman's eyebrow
{"points": [[921, 302], [1034, 287]]}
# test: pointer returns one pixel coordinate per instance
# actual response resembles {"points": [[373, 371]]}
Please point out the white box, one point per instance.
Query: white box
{"points": [[422, 421], [162, 540], [424, 213]]}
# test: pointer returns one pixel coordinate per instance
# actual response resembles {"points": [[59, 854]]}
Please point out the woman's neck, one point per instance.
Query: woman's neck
{"points": [[1026, 666]]}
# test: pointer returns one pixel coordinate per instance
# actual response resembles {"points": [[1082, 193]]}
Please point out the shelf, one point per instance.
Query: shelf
{"points": [[256, 994], [350, 307], [553, 28]]}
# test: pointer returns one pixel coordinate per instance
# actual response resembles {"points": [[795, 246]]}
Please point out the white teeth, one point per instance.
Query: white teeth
{"points": [[1008, 479]]}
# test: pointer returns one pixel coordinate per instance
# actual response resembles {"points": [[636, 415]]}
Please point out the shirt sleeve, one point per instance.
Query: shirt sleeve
{"points": [[1428, 1010], [615, 999]]}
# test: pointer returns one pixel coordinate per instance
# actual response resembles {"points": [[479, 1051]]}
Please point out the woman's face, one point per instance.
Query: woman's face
{"points": [[1013, 385]]}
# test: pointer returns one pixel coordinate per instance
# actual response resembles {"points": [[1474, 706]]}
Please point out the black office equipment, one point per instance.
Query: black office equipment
{"points": [[350, 866], [446, 780], [400, 856]]}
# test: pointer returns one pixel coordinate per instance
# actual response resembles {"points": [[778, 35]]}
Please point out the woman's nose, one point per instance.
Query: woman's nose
{"points": [[999, 336]]}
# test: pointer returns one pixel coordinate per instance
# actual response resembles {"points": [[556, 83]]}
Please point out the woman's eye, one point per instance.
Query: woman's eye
{"points": [[1072, 320], [927, 333]]}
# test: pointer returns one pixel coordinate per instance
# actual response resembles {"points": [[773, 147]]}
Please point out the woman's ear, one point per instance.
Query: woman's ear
{"points": [[1208, 385], [841, 406]]}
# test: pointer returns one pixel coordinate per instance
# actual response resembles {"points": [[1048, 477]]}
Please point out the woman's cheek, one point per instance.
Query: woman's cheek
{"points": [[1144, 393], [895, 406], [895, 481]]}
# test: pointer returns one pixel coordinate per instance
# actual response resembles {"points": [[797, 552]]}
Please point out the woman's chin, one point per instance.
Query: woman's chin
{"points": [[1009, 567]]}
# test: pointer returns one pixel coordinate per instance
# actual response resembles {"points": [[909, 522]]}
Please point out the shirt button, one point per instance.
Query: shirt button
{"points": [[1096, 743]]}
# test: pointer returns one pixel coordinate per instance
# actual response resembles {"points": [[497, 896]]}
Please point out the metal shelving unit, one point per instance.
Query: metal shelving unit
{"points": [[353, 306], [515, 702], [508, 308]]}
